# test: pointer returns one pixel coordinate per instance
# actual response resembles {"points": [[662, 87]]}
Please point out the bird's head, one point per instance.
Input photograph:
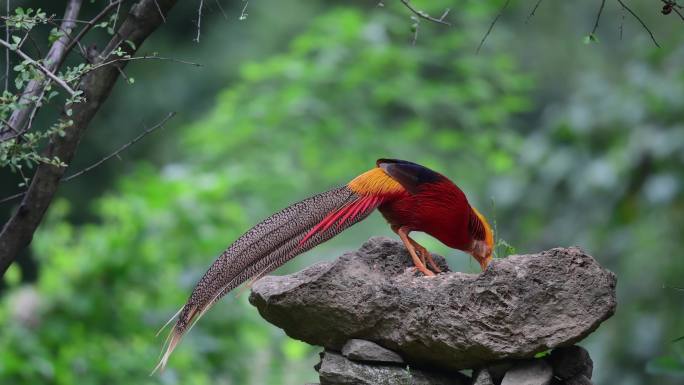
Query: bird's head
{"points": [[482, 246]]}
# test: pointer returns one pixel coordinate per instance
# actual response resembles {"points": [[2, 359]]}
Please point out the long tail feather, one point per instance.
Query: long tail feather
{"points": [[267, 246]]}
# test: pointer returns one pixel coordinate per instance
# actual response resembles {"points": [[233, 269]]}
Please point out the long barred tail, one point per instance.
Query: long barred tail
{"points": [[267, 246]]}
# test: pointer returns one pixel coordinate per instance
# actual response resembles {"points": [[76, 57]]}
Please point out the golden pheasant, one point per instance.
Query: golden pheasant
{"points": [[410, 196]]}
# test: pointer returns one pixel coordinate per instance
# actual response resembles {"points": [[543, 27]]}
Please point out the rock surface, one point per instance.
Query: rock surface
{"points": [[366, 351], [533, 372], [482, 377], [335, 369], [572, 361], [519, 306]]}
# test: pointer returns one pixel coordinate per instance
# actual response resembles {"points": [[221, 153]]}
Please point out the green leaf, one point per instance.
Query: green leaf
{"points": [[591, 38]]}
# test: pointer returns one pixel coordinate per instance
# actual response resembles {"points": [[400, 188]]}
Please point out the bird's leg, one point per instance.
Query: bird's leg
{"points": [[403, 234], [425, 255]]}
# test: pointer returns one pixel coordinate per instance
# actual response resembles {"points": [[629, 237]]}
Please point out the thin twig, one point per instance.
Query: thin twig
{"points": [[106, 158], [598, 17], [491, 26], [534, 10], [122, 148], [622, 21], [220, 7], [35, 46], [71, 40], [42, 69], [116, 15], [160, 11], [6, 123], [145, 57], [7, 55], [12, 197], [415, 26], [243, 14], [641, 22], [199, 21], [90, 24], [424, 15]]}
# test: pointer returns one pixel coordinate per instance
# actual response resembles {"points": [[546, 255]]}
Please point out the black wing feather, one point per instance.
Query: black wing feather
{"points": [[410, 175]]}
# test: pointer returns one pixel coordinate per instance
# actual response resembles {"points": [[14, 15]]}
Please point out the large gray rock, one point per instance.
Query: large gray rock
{"points": [[367, 351], [519, 306], [335, 369]]}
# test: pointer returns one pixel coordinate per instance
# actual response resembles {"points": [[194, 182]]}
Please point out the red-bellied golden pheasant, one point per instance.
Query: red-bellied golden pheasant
{"points": [[411, 197]]}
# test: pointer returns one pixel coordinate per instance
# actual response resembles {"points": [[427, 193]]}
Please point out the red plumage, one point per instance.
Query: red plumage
{"points": [[411, 197], [439, 209]]}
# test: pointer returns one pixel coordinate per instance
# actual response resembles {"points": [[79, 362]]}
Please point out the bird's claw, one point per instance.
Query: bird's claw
{"points": [[425, 273]]}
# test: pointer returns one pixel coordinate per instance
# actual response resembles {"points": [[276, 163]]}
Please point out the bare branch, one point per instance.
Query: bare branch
{"points": [[598, 17], [640, 22], [91, 23], [243, 14], [199, 20], [53, 60], [534, 10], [12, 197], [424, 15], [7, 55], [121, 149], [220, 7], [145, 57], [491, 26], [622, 21], [106, 158], [160, 11], [42, 69], [678, 12]]}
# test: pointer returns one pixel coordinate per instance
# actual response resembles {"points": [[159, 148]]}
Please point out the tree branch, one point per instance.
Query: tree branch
{"points": [[91, 23], [143, 19], [598, 18], [53, 60], [491, 26], [424, 15], [106, 158], [42, 69], [640, 22], [122, 148]]}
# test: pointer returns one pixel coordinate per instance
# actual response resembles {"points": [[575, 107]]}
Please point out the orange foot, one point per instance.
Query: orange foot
{"points": [[408, 242], [425, 255]]}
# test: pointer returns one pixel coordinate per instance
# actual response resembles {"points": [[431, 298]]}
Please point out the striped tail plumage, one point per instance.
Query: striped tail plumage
{"points": [[267, 246]]}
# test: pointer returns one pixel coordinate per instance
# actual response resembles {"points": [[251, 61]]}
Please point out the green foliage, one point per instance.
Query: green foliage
{"points": [[345, 94], [26, 19], [23, 147], [18, 152]]}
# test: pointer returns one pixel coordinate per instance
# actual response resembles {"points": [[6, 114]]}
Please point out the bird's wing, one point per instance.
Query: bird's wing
{"points": [[281, 237], [408, 174]]}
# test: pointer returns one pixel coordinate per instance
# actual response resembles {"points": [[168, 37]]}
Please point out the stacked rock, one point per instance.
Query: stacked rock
{"points": [[366, 363], [429, 330]]}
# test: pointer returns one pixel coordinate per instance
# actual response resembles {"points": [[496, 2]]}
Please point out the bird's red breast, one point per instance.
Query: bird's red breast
{"points": [[423, 200]]}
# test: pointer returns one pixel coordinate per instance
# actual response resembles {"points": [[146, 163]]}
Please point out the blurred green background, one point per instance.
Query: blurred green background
{"points": [[559, 142]]}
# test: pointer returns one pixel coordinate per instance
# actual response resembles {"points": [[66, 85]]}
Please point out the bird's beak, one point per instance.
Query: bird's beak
{"points": [[484, 262]]}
